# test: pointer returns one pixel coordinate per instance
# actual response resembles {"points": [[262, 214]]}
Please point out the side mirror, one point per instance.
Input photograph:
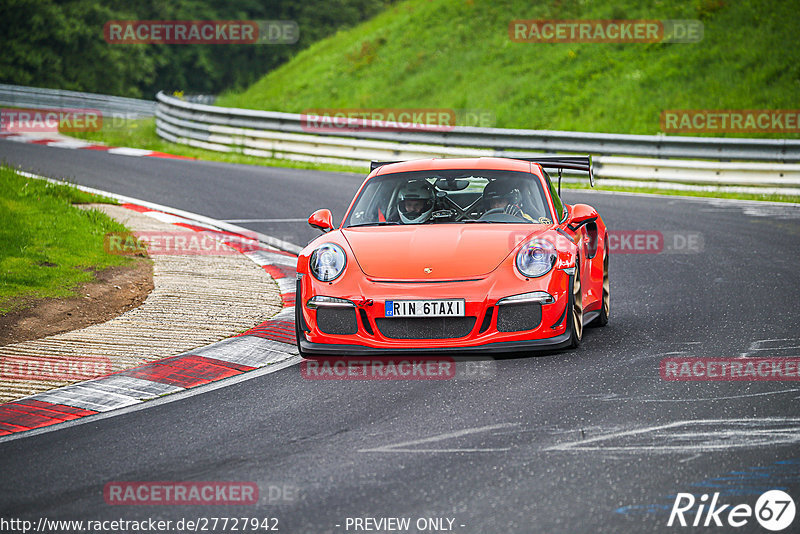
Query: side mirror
{"points": [[322, 220], [581, 214]]}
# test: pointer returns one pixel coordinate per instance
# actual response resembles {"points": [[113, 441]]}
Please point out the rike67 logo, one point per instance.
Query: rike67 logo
{"points": [[774, 510]]}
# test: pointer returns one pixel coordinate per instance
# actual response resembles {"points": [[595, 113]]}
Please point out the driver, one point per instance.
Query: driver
{"points": [[502, 195], [415, 202]]}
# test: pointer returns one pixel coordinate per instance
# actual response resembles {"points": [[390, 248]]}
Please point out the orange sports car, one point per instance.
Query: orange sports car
{"points": [[474, 255]]}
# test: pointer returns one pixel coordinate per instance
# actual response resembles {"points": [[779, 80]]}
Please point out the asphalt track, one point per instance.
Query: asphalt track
{"points": [[592, 440]]}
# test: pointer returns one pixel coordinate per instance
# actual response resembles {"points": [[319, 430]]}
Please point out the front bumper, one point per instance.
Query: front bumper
{"points": [[487, 330], [553, 343]]}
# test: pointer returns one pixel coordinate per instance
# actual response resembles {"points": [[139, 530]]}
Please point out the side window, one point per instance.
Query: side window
{"points": [[556, 199]]}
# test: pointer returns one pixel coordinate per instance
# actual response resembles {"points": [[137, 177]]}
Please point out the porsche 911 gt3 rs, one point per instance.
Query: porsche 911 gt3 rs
{"points": [[468, 255]]}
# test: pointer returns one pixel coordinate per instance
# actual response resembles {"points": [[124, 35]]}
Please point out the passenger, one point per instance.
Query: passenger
{"points": [[501, 195]]}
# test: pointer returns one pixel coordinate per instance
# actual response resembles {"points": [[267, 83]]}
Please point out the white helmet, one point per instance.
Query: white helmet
{"points": [[419, 194]]}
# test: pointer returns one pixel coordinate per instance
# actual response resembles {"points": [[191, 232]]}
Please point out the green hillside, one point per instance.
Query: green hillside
{"points": [[458, 54]]}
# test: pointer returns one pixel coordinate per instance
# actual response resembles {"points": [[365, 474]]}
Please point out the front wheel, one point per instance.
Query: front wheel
{"points": [[576, 311]]}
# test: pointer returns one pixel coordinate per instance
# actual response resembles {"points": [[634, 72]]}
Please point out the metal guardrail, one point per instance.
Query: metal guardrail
{"points": [[38, 98], [499, 139], [283, 136], [774, 175]]}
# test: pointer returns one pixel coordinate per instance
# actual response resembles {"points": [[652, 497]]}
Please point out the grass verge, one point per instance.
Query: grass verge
{"points": [[458, 55], [48, 246]]}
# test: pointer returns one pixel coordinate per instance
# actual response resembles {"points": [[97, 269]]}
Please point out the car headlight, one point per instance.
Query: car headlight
{"points": [[536, 258], [327, 262]]}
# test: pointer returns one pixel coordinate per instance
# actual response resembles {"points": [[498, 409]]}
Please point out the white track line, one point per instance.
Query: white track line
{"points": [[403, 447]]}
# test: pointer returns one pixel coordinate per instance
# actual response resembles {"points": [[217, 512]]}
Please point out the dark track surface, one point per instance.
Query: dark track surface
{"points": [[543, 470]]}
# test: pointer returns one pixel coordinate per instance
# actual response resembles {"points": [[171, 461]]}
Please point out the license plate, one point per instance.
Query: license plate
{"points": [[425, 308]]}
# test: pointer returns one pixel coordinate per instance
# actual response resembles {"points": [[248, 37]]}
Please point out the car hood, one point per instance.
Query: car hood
{"points": [[448, 251]]}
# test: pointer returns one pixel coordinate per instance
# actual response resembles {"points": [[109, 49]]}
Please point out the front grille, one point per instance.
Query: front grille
{"points": [[518, 317], [425, 327], [338, 321]]}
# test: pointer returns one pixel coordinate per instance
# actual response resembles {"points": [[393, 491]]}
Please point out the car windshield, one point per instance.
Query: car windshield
{"points": [[451, 196]]}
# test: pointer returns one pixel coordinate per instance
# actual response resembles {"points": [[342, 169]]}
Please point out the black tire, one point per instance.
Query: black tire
{"points": [[605, 309], [576, 310]]}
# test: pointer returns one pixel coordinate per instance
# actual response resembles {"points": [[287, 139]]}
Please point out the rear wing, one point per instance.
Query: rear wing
{"points": [[573, 163], [375, 164]]}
